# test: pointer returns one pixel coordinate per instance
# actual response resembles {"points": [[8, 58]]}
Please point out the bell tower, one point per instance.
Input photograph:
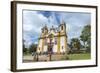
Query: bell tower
{"points": [[44, 30], [63, 37], [63, 27]]}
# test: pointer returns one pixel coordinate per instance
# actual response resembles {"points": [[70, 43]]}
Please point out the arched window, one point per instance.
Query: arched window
{"points": [[62, 47], [39, 48], [55, 41], [42, 31], [45, 41], [61, 27]]}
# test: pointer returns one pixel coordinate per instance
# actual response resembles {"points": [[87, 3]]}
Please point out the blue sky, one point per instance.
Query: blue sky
{"points": [[33, 21]]}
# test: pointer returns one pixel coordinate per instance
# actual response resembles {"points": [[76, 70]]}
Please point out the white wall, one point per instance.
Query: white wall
{"points": [[45, 48], [62, 42], [5, 38], [40, 45]]}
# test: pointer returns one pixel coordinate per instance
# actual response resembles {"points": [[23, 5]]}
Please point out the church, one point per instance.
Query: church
{"points": [[53, 40]]}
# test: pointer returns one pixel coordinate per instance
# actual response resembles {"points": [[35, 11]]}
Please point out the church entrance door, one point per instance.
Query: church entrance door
{"points": [[50, 48]]}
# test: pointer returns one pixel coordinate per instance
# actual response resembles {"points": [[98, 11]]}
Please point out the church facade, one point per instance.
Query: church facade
{"points": [[53, 40]]}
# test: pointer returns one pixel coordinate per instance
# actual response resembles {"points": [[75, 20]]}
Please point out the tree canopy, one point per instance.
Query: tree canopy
{"points": [[75, 44], [85, 37]]}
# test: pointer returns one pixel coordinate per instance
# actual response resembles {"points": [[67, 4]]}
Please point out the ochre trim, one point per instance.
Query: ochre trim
{"points": [[65, 43], [38, 45], [42, 45], [58, 43], [53, 36]]}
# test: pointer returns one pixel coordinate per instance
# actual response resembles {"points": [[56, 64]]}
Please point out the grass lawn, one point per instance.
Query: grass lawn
{"points": [[79, 56], [27, 54]]}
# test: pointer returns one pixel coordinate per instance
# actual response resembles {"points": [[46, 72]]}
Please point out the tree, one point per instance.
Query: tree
{"points": [[24, 48], [75, 44], [32, 48], [85, 37]]}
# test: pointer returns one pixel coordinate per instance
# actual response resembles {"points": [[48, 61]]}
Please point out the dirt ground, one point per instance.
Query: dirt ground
{"points": [[56, 57]]}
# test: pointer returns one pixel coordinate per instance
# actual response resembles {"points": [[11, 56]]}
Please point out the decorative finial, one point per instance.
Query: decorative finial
{"points": [[52, 26], [62, 22]]}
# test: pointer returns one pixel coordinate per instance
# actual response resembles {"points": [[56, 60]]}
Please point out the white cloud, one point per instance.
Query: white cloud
{"points": [[36, 42], [27, 27], [34, 21]]}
